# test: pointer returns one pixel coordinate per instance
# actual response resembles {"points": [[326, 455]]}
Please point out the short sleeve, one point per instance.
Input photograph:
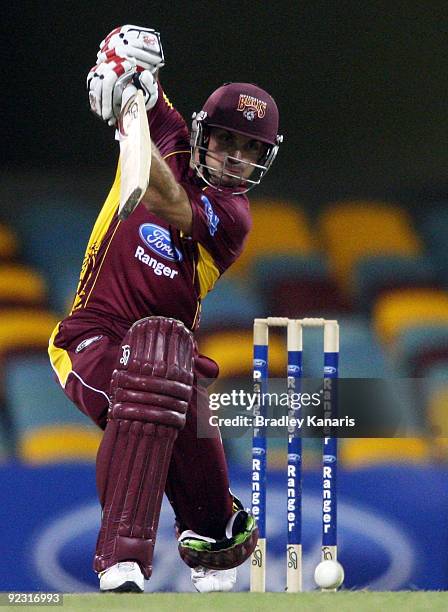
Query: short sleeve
{"points": [[221, 223], [169, 132]]}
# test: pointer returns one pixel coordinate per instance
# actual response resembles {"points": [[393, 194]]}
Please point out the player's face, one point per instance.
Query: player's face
{"points": [[236, 152]]}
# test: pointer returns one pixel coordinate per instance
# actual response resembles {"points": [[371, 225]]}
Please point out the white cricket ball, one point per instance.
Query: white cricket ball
{"points": [[329, 575]]}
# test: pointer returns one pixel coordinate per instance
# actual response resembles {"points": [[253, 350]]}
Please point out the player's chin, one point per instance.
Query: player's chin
{"points": [[225, 180], [230, 182]]}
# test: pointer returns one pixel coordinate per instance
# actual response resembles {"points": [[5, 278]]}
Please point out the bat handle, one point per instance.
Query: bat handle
{"points": [[128, 92]]}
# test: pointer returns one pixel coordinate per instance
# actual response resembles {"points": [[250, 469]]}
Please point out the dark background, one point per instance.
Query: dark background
{"points": [[361, 87]]}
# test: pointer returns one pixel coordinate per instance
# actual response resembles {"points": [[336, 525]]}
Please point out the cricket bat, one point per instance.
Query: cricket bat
{"points": [[135, 153]]}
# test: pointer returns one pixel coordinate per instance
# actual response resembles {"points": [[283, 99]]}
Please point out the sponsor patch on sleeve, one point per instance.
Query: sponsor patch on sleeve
{"points": [[212, 218]]}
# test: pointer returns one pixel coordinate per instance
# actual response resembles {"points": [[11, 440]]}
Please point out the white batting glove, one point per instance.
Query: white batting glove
{"points": [[141, 80], [107, 81], [101, 81], [133, 43]]}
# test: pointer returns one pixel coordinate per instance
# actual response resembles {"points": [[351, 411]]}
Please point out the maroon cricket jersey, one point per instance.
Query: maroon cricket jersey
{"points": [[143, 266]]}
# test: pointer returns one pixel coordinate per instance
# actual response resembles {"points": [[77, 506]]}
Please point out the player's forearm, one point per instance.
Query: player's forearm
{"points": [[165, 197]]}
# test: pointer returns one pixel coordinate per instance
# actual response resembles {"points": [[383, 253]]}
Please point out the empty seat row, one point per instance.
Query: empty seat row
{"points": [[353, 252], [37, 422], [361, 356], [9, 246], [433, 227]]}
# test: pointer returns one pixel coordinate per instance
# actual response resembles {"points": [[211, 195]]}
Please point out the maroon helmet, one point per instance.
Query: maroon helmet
{"points": [[243, 108]]}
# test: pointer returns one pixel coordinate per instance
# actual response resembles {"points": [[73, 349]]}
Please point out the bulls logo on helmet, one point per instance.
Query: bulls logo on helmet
{"points": [[243, 108]]}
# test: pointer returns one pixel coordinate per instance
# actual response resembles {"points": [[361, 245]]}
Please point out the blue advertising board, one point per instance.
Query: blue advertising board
{"points": [[392, 529]]}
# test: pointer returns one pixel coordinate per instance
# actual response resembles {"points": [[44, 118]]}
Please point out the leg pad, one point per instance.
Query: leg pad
{"points": [[150, 391]]}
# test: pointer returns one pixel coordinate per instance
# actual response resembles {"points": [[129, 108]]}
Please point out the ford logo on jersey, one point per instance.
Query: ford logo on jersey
{"points": [[158, 239], [212, 218]]}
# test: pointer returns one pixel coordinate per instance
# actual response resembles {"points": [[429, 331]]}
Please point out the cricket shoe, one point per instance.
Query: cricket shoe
{"points": [[208, 580], [123, 577]]}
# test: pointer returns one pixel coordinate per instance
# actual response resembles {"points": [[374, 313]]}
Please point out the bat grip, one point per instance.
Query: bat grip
{"points": [[128, 92]]}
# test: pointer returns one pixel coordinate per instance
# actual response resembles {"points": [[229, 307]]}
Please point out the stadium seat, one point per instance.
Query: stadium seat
{"points": [[357, 453], [430, 358], [63, 286], [413, 343], [8, 243], [378, 274], [405, 308], [436, 396], [266, 268], [21, 286], [355, 229], [25, 329], [437, 407], [233, 351], [59, 260], [280, 228], [360, 355], [307, 297], [434, 228], [232, 303], [297, 285], [435, 380], [21, 330], [49, 427]]}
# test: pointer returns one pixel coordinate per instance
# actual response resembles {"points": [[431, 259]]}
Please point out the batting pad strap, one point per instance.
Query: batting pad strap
{"points": [[132, 399], [145, 413], [128, 381]]}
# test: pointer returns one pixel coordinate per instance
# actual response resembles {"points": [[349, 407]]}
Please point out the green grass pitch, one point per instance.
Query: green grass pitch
{"points": [[343, 601]]}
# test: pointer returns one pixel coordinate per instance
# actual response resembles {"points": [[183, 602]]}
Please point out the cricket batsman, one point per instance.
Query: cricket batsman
{"points": [[126, 354]]}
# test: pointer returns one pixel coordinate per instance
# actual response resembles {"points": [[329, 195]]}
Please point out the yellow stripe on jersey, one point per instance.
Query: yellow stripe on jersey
{"points": [[208, 273], [100, 228], [101, 264], [59, 358], [166, 99]]}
